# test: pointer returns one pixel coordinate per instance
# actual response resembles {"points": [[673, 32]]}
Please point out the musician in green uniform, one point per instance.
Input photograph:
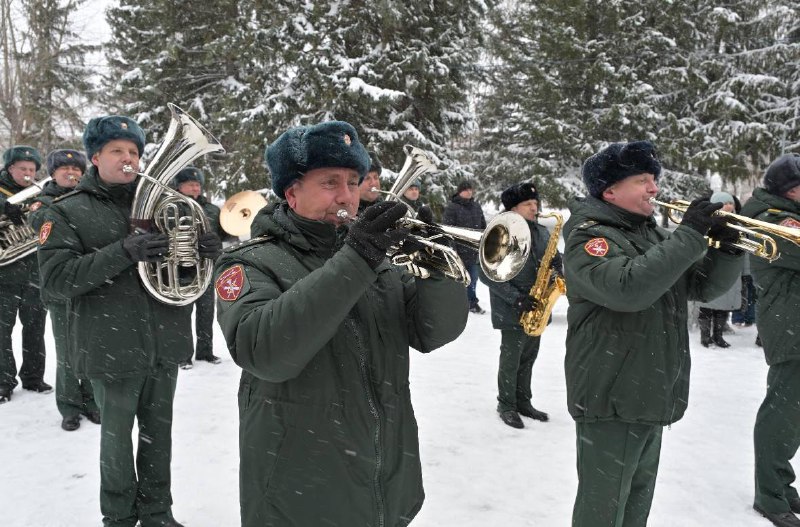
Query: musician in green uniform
{"points": [[777, 428], [127, 342], [74, 396], [509, 300], [19, 280], [321, 324], [189, 182], [627, 360]]}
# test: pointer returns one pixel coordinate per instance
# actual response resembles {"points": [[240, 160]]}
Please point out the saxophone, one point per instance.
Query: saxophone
{"points": [[545, 291]]}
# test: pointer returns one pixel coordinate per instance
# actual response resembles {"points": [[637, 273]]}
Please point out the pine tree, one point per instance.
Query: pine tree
{"points": [[45, 78], [399, 72], [170, 52]]}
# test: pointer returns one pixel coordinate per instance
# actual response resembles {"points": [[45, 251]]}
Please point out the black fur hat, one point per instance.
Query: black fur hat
{"points": [[618, 161], [298, 150], [65, 157], [375, 163], [101, 130], [21, 153], [783, 174], [516, 194], [189, 174]]}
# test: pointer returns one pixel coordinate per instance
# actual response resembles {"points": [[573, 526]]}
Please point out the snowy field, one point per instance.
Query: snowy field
{"points": [[478, 472]]}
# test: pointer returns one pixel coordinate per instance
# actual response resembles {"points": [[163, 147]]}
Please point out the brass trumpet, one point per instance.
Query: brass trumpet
{"points": [[752, 237]]}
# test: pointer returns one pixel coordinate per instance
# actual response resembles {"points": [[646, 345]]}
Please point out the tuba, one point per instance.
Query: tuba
{"points": [[18, 241], [183, 276], [545, 290], [503, 247]]}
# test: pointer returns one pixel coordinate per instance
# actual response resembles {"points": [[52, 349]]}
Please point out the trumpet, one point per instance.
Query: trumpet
{"points": [[755, 236]]}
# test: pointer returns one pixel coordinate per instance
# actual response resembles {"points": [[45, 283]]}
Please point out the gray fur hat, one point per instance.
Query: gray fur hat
{"points": [[783, 174], [21, 153], [65, 157], [101, 130], [324, 145]]}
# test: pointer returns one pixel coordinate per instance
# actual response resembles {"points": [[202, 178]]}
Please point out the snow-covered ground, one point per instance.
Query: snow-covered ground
{"points": [[478, 472]]}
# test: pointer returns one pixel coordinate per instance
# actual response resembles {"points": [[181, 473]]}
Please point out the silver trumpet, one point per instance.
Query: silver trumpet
{"points": [[183, 276], [503, 247]]}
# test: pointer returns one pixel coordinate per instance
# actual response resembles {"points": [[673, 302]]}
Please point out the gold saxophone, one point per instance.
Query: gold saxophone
{"points": [[545, 291]]}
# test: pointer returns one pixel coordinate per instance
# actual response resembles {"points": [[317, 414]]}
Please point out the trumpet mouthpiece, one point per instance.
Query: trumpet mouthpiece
{"points": [[343, 214]]}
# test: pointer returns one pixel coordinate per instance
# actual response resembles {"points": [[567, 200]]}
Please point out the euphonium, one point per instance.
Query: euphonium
{"points": [[18, 241], [156, 205], [503, 247], [545, 291]]}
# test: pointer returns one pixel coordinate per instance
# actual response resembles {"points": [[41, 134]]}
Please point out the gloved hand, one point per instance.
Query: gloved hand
{"points": [[725, 236], [525, 303], [147, 247], [15, 214], [699, 215], [369, 235], [425, 214], [209, 245]]}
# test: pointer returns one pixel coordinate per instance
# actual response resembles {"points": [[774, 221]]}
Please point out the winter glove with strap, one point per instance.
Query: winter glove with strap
{"points": [[700, 215], [370, 235], [147, 247]]}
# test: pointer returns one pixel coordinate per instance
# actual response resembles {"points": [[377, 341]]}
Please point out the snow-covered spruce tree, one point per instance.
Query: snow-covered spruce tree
{"points": [[169, 51], [399, 72], [743, 109], [569, 77], [45, 78]]}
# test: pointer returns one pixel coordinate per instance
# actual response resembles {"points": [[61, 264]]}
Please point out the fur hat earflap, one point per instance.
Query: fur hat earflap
{"points": [[21, 153], [101, 130], [783, 174], [618, 161], [332, 144], [64, 158], [375, 163], [516, 194], [189, 174]]}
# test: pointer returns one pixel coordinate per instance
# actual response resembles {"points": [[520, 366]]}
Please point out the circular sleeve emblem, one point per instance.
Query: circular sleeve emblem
{"points": [[44, 231], [229, 283], [596, 247]]}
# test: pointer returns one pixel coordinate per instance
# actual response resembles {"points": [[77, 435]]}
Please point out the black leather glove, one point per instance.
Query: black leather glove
{"points": [[525, 303], [724, 236], [699, 215], [209, 245], [147, 247], [370, 235], [425, 214], [15, 214]]}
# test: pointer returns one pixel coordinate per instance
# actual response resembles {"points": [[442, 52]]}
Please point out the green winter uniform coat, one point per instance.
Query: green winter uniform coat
{"points": [[38, 215], [628, 282], [778, 282], [112, 319], [327, 431]]}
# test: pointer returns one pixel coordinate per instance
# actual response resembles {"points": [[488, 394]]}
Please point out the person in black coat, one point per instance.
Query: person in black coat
{"points": [[464, 211]]}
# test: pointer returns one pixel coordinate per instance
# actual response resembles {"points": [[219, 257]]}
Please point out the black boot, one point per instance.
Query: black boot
{"points": [[720, 317], [5, 394], [528, 410], [704, 320], [512, 419], [783, 519]]}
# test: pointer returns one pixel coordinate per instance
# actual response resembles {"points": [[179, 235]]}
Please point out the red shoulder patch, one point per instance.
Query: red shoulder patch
{"points": [[229, 283], [35, 206], [45, 231], [791, 222], [596, 247]]}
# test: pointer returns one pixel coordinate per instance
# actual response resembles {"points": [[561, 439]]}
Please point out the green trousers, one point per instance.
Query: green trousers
{"points": [[776, 438], [518, 352], [22, 298], [73, 396], [204, 325], [139, 489], [617, 468]]}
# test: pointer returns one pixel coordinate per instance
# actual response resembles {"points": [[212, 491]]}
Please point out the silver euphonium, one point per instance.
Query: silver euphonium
{"points": [[503, 247], [157, 206], [18, 241]]}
